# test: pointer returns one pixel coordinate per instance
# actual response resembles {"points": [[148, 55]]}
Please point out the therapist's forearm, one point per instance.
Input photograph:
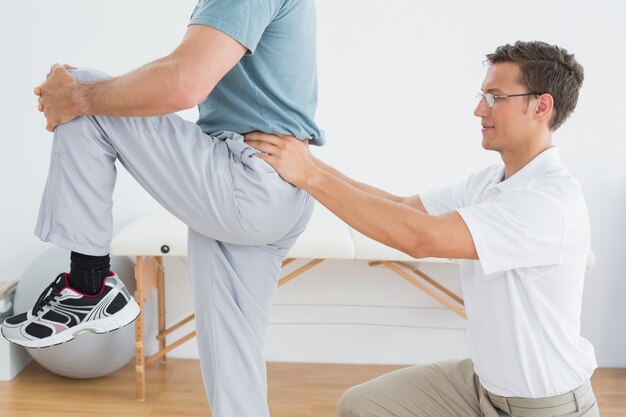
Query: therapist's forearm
{"points": [[359, 185], [389, 222]]}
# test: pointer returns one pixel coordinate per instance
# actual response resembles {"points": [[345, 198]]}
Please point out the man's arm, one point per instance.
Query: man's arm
{"points": [[390, 222], [414, 201], [175, 82]]}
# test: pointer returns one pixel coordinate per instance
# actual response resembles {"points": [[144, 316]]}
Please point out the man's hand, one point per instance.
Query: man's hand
{"points": [[289, 156], [37, 90], [60, 97], [66, 66]]}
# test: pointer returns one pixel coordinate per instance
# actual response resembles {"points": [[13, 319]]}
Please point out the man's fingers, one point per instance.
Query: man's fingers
{"points": [[271, 160], [252, 136], [264, 137], [258, 144], [55, 66], [52, 68], [58, 69], [51, 124], [263, 147]]}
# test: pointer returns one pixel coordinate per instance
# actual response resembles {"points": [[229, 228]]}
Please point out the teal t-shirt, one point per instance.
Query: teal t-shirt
{"points": [[273, 88]]}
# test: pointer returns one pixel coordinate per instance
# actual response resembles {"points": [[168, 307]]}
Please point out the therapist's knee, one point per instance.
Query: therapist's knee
{"points": [[352, 403]]}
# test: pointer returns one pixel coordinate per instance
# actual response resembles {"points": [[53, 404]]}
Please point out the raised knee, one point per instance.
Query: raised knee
{"points": [[351, 403], [89, 75]]}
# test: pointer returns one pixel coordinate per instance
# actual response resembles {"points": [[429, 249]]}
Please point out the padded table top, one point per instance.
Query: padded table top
{"points": [[326, 237]]}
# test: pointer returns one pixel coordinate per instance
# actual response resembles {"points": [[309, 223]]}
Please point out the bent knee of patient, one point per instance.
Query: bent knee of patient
{"points": [[85, 75]]}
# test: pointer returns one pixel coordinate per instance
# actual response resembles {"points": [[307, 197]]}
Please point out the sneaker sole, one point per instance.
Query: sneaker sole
{"points": [[122, 318]]}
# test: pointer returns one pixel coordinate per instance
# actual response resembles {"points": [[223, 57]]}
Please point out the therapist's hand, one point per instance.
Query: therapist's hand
{"points": [[289, 156]]}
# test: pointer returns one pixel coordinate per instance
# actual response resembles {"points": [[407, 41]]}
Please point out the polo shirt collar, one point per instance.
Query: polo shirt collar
{"points": [[537, 166]]}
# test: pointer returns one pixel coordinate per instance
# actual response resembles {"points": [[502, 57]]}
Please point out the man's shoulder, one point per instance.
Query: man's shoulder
{"points": [[484, 177], [557, 181], [555, 191]]}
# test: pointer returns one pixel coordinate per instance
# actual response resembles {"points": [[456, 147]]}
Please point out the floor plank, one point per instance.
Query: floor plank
{"points": [[175, 389]]}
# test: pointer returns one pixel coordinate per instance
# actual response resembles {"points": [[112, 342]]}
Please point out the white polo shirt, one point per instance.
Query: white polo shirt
{"points": [[523, 296]]}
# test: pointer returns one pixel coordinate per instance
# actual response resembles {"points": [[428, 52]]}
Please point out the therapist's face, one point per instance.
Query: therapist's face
{"points": [[508, 123]]}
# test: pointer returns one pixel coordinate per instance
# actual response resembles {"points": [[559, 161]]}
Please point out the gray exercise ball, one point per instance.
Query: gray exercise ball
{"points": [[88, 355]]}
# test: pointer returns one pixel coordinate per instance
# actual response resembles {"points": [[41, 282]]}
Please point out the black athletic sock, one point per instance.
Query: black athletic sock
{"points": [[87, 273]]}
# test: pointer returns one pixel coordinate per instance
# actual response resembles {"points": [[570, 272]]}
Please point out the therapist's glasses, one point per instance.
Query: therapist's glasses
{"points": [[491, 98]]}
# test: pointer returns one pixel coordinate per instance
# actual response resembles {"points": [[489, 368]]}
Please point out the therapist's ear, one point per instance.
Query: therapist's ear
{"points": [[544, 107]]}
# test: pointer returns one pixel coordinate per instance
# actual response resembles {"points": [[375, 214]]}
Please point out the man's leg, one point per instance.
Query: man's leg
{"points": [[195, 176], [452, 388], [438, 390], [75, 213], [233, 287], [213, 184]]}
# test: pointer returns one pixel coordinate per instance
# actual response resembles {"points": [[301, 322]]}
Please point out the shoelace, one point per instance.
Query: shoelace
{"points": [[49, 293]]}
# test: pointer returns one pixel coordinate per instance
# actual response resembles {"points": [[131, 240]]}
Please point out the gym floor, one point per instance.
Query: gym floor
{"points": [[295, 390]]}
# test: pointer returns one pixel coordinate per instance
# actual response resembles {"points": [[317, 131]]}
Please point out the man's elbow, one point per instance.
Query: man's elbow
{"points": [[189, 95], [191, 88], [416, 249], [425, 239], [417, 245]]}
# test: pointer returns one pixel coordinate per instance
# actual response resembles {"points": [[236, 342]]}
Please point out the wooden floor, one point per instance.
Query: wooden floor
{"points": [[175, 389]]}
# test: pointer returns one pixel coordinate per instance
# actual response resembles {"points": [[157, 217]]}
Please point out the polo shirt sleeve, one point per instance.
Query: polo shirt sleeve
{"points": [[522, 229], [443, 200], [243, 20]]}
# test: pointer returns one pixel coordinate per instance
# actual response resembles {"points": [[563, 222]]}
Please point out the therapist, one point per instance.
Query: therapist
{"points": [[522, 229]]}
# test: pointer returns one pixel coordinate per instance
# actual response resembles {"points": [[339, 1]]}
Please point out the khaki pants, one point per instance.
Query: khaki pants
{"points": [[452, 389]]}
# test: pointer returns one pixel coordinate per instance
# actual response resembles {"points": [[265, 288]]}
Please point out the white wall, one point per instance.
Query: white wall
{"points": [[397, 87]]}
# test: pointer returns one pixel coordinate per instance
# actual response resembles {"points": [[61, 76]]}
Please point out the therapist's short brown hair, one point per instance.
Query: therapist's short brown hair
{"points": [[545, 68]]}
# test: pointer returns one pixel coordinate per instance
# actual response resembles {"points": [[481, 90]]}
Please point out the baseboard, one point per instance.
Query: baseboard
{"points": [[13, 359]]}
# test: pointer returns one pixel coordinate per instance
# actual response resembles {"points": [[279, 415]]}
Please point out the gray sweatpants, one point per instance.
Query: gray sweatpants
{"points": [[242, 219]]}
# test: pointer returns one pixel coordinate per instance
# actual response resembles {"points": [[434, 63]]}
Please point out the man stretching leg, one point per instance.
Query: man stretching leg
{"points": [[251, 65]]}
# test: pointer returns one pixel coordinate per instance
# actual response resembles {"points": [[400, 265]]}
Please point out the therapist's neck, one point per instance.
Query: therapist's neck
{"points": [[518, 157]]}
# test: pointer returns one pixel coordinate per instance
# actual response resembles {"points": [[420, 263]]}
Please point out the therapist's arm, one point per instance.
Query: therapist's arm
{"points": [[414, 201], [392, 223], [175, 82]]}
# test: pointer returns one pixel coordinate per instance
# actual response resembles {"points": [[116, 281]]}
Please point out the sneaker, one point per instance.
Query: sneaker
{"points": [[61, 313]]}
